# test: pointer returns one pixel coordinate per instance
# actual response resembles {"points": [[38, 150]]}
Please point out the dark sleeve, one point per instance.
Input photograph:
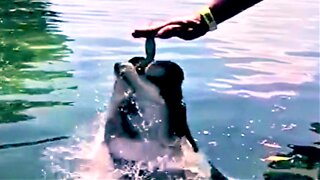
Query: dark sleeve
{"points": [[225, 9]]}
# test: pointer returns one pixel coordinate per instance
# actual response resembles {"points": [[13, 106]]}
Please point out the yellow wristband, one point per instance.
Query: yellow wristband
{"points": [[208, 17]]}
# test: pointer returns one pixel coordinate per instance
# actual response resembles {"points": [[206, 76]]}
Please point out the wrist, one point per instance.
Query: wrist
{"points": [[208, 18], [215, 8]]}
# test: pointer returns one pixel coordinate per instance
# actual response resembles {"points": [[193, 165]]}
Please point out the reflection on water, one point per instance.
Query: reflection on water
{"points": [[11, 111], [303, 162], [29, 39], [277, 47], [33, 70]]}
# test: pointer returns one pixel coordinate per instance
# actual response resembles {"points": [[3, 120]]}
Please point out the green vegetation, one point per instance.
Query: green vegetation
{"points": [[303, 164], [29, 38]]}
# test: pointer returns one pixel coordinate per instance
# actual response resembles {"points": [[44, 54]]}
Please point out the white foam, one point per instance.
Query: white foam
{"points": [[88, 158]]}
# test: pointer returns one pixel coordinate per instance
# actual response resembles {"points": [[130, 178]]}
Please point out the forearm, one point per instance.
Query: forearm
{"points": [[225, 9]]}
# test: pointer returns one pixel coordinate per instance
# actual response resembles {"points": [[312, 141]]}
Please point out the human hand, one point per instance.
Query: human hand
{"points": [[186, 28]]}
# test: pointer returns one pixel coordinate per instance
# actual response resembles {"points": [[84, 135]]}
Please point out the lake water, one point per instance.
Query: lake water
{"points": [[251, 87]]}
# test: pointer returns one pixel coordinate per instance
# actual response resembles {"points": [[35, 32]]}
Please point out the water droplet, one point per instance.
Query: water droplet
{"points": [[228, 135], [273, 125], [213, 143], [206, 132], [247, 127], [288, 127], [242, 135], [251, 121]]}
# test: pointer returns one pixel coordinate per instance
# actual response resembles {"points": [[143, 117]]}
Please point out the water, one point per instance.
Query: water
{"points": [[252, 83]]}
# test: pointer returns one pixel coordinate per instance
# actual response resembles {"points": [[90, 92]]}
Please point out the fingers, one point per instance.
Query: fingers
{"points": [[169, 31], [144, 33], [188, 28], [190, 34], [182, 32], [183, 29], [163, 32], [151, 31], [155, 27]]}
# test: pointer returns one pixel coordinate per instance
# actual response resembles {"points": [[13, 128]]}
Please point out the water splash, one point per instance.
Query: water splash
{"points": [[84, 156]]}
